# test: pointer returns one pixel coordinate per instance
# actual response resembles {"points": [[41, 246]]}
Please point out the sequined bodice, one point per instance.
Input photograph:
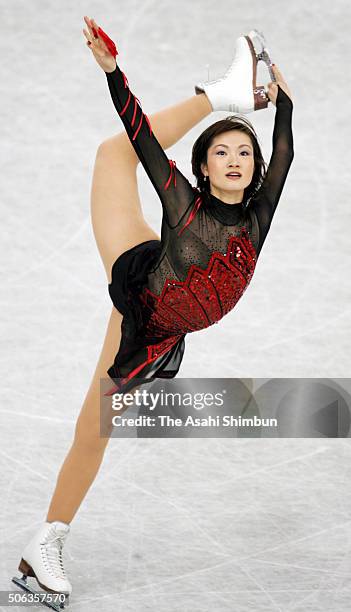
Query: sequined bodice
{"points": [[206, 294]]}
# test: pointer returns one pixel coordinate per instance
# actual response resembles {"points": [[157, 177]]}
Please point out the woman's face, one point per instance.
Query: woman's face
{"points": [[229, 152]]}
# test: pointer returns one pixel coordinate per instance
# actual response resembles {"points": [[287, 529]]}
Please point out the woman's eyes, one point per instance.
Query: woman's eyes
{"points": [[247, 153]]}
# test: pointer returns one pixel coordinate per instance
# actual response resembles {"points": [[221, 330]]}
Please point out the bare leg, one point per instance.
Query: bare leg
{"points": [[117, 216], [85, 455], [172, 123], [118, 224]]}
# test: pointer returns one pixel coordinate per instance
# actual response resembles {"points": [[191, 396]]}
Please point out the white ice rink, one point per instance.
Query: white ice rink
{"points": [[192, 525]]}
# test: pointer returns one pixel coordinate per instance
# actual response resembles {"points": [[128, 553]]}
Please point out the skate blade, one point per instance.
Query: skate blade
{"points": [[262, 53], [43, 597]]}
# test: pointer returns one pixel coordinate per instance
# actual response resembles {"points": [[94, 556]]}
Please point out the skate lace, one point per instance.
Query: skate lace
{"points": [[51, 552]]}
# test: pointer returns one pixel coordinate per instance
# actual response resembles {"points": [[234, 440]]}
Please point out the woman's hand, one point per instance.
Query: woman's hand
{"points": [[273, 87], [98, 47]]}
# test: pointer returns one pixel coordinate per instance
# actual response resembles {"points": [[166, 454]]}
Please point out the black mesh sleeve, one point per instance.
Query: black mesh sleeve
{"points": [[267, 198], [173, 188]]}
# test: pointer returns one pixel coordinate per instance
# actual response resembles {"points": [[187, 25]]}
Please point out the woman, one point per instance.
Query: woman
{"points": [[191, 276]]}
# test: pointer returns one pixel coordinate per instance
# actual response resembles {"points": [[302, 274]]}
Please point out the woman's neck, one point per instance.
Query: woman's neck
{"points": [[235, 197]]}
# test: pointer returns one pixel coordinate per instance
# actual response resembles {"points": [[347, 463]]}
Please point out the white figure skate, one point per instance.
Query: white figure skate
{"points": [[42, 559], [237, 90]]}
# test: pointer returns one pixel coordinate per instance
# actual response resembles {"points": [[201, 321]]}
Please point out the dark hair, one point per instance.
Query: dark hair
{"points": [[204, 141]]}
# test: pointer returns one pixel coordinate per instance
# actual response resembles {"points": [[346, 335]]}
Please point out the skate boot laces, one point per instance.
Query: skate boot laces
{"points": [[51, 553]]}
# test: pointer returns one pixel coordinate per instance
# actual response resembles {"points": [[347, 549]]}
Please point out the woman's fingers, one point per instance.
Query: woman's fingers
{"points": [[88, 22], [95, 25], [94, 29], [97, 45], [94, 33], [89, 41], [87, 35], [273, 87], [278, 75], [94, 42]]}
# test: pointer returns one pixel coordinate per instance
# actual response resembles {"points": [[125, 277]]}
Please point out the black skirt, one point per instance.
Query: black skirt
{"points": [[134, 357]]}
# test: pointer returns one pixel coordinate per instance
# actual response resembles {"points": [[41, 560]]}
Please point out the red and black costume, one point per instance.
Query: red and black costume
{"points": [[205, 259]]}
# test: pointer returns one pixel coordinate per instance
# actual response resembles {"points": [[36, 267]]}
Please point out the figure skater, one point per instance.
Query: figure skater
{"points": [[163, 287]]}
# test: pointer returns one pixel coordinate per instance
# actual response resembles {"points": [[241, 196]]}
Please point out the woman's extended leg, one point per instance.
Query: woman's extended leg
{"points": [[117, 217], [172, 123]]}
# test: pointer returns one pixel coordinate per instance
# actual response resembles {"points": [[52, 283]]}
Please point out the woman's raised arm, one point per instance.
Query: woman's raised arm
{"points": [[174, 190], [265, 204]]}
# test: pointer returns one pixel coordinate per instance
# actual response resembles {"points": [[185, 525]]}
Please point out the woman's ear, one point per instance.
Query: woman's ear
{"points": [[203, 168]]}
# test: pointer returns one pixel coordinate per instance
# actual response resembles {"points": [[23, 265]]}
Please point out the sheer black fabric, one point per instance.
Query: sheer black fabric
{"points": [[207, 263]]}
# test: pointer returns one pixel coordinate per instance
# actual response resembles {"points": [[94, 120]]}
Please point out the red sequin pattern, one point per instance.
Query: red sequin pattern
{"points": [[205, 296]]}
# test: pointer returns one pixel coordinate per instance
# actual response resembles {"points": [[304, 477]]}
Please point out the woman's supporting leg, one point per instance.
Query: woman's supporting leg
{"points": [[86, 453]]}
